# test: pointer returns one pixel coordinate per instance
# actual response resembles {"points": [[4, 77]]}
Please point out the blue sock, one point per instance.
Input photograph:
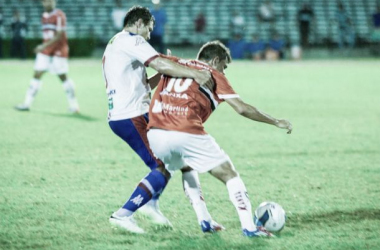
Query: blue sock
{"points": [[150, 187]]}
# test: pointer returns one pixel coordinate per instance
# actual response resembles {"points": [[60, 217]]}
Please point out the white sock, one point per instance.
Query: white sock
{"points": [[68, 86], [153, 203], [34, 86], [239, 197], [192, 188], [123, 212]]}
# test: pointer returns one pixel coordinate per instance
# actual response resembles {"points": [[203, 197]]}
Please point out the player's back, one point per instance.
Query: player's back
{"points": [[53, 22], [125, 75], [182, 105]]}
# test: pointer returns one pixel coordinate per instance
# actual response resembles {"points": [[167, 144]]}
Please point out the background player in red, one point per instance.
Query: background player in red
{"points": [[176, 134], [52, 55]]}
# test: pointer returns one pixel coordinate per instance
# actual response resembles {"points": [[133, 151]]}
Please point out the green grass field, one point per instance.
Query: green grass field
{"points": [[63, 175]]}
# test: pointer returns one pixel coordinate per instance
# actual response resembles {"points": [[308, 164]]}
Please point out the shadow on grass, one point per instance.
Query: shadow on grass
{"points": [[79, 116], [218, 241], [320, 153], [331, 218]]}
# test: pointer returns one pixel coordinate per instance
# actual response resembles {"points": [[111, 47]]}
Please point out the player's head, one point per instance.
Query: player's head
{"points": [[140, 19], [49, 5], [216, 54]]}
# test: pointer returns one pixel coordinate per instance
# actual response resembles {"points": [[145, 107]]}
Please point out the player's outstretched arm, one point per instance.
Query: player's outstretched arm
{"points": [[253, 113], [170, 68], [155, 79], [52, 41]]}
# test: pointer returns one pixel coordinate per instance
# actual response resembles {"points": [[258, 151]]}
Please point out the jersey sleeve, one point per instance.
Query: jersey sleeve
{"points": [[223, 88], [61, 22], [172, 58], [141, 50]]}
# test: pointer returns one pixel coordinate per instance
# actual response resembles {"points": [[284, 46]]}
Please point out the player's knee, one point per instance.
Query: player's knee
{"points": [[224, 172], [162, 169], [38, 74], [186, 169], [230, 174], [63, 77]]}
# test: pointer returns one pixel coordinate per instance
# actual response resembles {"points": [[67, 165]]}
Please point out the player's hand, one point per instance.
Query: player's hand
{"points": [[285, 125], [204, 79], [39, 48]]}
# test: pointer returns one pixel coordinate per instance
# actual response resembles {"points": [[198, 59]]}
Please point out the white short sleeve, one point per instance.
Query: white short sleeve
{"points": [[140, 49]]}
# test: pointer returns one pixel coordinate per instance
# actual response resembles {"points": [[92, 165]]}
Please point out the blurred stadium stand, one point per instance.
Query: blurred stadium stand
{"points": [[93, 18]]}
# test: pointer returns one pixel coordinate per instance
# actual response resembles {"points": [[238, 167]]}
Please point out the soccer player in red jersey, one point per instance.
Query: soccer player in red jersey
{"points": [[129, 90], [52, 55], [176, 134]]}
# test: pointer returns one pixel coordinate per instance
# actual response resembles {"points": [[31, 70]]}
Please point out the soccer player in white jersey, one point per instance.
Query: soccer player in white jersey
{"points": [[177, 136], [128, 89], [52, 55]]}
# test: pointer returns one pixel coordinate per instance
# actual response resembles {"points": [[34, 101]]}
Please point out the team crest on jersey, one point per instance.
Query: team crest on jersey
{"points": [[139, 40]]}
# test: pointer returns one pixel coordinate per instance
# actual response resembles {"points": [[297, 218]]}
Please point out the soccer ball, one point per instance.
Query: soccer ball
{"points": [[271, 216]]}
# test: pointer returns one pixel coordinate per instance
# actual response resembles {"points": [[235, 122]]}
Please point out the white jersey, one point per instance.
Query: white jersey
{"points": [[124, 62]]}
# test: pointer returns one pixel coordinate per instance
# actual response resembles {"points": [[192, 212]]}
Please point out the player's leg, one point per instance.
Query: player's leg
{"points": [[239, 197], [197, 151], [60, 66], [205, 155], [41, 65], [152, 184], [341, 34], [69, 88], [193, 191], [351, 37], [133, 132]]}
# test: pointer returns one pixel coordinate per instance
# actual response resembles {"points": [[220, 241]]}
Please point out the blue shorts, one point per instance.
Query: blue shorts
{"points": [[133, 131]]}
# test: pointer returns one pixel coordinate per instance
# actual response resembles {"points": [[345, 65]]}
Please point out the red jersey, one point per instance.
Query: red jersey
{"points": [[180, 104], [52, 23]]}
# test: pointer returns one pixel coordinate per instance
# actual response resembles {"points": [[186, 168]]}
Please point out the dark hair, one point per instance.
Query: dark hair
{"points": [[214, 49], [135, 13]]}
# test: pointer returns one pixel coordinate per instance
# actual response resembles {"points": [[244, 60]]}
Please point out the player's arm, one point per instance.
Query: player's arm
{"points": [[253, 113], [155, 79], [168, 67], [49, 43]]}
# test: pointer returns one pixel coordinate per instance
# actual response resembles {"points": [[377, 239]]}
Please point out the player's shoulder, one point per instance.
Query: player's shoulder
{"points": [[59, 12], [219, 77], [133, 39]]}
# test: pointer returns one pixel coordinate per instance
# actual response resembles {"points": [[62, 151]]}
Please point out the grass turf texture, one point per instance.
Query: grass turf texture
{"points": [[62, 175]]}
